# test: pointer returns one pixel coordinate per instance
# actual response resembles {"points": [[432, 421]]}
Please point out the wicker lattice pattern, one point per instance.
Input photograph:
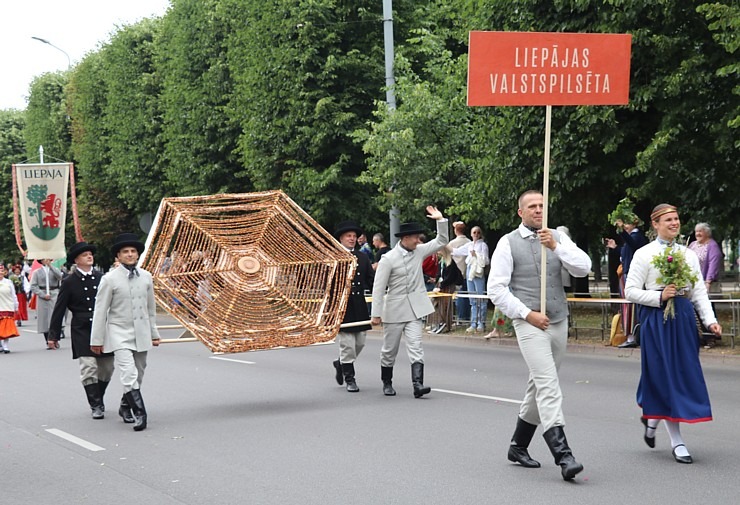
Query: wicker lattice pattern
{"points": [[248, 271]]}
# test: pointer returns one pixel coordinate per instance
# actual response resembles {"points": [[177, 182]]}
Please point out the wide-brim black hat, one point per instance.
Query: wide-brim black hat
{"points": [[126, 240], [346, 226], [79, 248], [410, 229]]}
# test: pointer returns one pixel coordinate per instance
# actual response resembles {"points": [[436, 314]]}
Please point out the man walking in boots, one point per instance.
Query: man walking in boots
{"points": [[514, 287], [400, 309], [125, 321], [77, 294], [352, 340]]}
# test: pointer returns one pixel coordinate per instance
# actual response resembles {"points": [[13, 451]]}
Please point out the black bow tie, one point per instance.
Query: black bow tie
{"points": [[132, 272], [532, 229]]}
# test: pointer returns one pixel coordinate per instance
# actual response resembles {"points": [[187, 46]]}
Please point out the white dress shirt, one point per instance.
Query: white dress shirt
{"points": [[573, 259], [642, 283]]}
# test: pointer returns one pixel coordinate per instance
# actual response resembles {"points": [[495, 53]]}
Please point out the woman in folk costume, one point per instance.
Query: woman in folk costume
{"points": [[665, 280], [21, 287], [8, 308]]}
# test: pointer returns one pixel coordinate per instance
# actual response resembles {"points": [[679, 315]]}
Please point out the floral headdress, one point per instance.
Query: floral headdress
{"points": [[624, 213]]}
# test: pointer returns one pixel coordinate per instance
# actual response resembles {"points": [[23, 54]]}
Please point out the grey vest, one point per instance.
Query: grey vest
{"points": [[525, 278]]}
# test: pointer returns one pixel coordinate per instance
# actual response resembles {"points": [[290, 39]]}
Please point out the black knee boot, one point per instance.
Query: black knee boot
{"points": [[93, 398], [386, 375], [417, 378], [558, 444], [348, 370], [102, 386], [125, 411], [520, 442], [137, 406], [338, 372]]}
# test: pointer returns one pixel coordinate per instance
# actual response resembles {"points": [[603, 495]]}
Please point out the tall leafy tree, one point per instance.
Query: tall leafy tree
{"points": [[306, 74], [133, 116], [198, 136], [671, 143], [103, 213], [47, 120], [12, 150]]}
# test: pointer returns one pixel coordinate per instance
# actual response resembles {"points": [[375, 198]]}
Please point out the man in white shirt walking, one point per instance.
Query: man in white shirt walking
{"points": [[514, 287]]}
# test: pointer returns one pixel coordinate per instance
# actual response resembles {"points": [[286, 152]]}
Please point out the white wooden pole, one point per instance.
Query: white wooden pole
{"points": [[545, 199]]}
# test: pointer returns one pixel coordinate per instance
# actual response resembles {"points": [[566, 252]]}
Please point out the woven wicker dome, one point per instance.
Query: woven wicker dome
{"points": [[248, 271]]}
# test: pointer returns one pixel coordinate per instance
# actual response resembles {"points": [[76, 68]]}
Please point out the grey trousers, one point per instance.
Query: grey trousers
{"points": [[94, 369], [543, 351], [350, 345], [131, 366], [392, 333]]}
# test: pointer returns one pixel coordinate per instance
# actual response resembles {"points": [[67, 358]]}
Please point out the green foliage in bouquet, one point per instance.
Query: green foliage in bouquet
{"points": [[673, 269], [624, 213]]}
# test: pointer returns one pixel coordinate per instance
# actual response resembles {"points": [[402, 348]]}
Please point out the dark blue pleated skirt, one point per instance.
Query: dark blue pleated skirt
{"points": [[672, 383]]}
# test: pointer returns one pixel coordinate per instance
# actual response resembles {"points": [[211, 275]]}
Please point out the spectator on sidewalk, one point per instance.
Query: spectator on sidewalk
{"points": [[476, 260]]}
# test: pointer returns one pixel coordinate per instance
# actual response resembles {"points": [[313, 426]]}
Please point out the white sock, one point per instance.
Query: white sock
{"points": [[674, 432], [652, 424], [4, 344]]}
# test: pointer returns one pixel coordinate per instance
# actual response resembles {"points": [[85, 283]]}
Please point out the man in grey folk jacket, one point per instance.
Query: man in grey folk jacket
{"points": [[400, 309], [124, 321]]}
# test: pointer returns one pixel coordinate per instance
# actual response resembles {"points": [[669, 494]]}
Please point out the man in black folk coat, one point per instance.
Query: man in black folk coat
{"points": [[77, 293], [352, 339]]}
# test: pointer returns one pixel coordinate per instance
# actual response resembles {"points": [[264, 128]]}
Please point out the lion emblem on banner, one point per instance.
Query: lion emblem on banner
{"points": [[46, 211]]}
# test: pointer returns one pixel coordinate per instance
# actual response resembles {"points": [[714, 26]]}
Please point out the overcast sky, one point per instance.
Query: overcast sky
{"points": [[75, 26]]}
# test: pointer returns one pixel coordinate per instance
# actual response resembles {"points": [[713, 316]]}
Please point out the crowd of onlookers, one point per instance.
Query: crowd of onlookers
{"points": [[456, 279]]}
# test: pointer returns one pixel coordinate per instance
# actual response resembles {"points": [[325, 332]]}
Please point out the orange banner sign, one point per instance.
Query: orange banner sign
{"points": [[534, 68]]}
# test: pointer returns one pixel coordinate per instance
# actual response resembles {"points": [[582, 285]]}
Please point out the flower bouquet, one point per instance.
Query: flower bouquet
{"points": [[673, 269], [502, 325]]}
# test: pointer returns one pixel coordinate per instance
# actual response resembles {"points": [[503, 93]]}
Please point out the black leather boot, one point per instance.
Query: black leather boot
{"points": [[417, 378], [93, 398], [348, 369], [137, 406], [338, 372], [102, 386], [558, 444], [386, 375], [125, 411], [520, 442]]}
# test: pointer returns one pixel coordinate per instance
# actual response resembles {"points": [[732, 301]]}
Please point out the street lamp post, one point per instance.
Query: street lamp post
{"points": [[69, 61]]}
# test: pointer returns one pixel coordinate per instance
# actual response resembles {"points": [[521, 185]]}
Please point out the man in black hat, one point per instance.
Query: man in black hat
{"points": [[77, 294], [124, 322], [352, 339], [400, 309]]}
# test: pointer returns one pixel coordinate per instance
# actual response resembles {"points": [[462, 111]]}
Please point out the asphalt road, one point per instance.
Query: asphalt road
{"points": [[273, 427]]}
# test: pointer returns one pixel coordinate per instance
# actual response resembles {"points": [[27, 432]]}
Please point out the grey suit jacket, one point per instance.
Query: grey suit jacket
{"points": [[125, 312], [399, 271]]}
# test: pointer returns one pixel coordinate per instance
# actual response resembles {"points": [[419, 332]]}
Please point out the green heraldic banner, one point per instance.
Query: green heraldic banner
{"points": [[42, 197]]}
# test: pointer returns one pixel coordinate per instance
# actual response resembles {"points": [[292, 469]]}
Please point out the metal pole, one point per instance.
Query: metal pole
{"points": [[41, 154], [69, 60], [390, 97]]}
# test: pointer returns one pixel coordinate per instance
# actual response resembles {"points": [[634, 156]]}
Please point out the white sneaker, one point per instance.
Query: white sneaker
{"points": [[470, 330]]}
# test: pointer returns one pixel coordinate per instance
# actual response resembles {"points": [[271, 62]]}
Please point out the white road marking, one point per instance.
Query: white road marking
{"points": [[75, 440], [234, 360], [473, 395]]}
